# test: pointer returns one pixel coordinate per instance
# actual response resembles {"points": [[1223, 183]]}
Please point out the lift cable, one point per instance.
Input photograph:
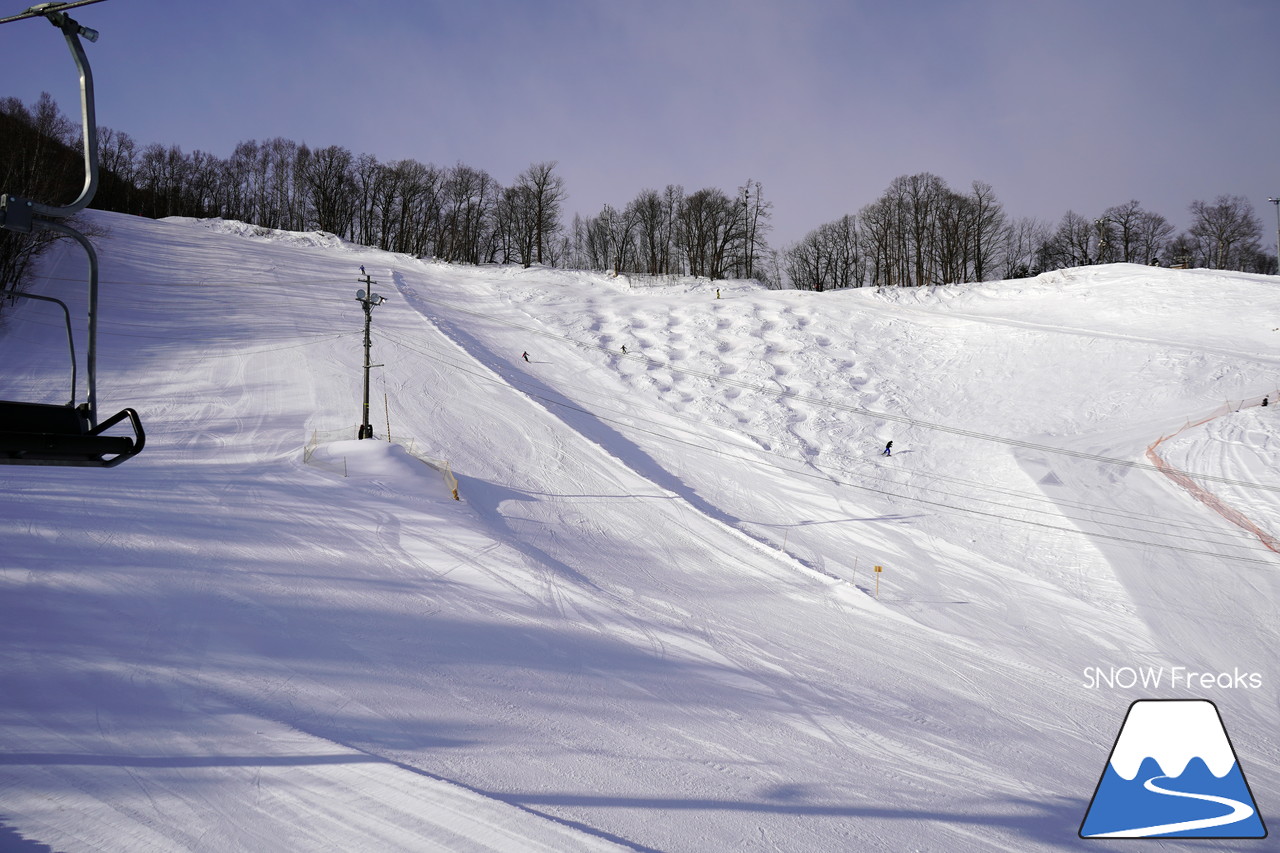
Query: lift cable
{"points": [[45, 9]]}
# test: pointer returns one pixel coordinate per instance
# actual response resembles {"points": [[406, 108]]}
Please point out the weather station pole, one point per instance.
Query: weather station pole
{"points": [[1276, 202], [368, 300]]}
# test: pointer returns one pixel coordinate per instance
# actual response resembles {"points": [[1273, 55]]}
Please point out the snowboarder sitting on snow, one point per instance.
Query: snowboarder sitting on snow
{"points": [[887, 448]]}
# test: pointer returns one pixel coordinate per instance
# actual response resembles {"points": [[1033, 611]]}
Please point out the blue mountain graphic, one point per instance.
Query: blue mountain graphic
{"points": [[1120, 804]]}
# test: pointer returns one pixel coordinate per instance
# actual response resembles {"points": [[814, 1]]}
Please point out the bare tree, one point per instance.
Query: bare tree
{"points": [[544, 192], [36, 162], [829, 257], [883, 240], [280, 158], [1226, 232], [619, 230], [516, 224], [756, 215], [1151, 236], [1023, 240], [652, 234], [921, 196], [469, 196], [921, 232], [1073, 244], [1125, 219], [710, 223], [953, 238], [329, 181], [987, 225], [118, 156]]}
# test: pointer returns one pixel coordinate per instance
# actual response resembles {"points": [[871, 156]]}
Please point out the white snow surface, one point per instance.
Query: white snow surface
{"points": [[652, 621]]}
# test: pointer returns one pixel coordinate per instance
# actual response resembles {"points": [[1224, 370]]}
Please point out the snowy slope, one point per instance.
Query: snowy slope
{"points": [[651, 622]]}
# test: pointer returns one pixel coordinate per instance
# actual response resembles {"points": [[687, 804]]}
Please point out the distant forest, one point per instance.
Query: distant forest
{"points": [[919, 232]]}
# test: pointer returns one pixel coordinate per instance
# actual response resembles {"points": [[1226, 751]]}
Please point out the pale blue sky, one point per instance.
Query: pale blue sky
{"points": [[1058, 105]]}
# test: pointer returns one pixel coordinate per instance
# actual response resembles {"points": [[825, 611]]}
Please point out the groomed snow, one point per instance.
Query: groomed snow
{"points": [[651, 623]]}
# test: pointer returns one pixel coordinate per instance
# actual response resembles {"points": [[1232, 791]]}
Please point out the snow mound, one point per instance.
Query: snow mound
{"points": [[299, 239]]}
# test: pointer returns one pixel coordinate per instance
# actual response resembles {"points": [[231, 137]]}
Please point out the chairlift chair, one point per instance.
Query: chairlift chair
{"points": [[70, 434]]}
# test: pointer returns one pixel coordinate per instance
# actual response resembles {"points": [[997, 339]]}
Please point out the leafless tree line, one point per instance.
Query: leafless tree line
{"points": [[705, 233], [28, 151], [458, 214], [41, 160], [920, 232]]}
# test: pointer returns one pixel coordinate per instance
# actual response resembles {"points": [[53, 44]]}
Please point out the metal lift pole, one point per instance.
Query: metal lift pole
{"points": [[366, 430], [368, 301]]}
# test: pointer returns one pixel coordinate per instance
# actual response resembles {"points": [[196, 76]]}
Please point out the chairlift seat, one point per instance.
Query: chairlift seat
{"points": [[39, 433], [44, 434]]}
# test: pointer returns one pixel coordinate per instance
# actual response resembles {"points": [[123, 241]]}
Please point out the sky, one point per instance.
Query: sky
{"points": [[1058, 106]]}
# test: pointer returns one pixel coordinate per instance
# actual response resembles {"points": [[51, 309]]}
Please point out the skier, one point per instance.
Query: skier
{"points": [[888, 448], [525, 356], [1264, 401], [624, 352]]}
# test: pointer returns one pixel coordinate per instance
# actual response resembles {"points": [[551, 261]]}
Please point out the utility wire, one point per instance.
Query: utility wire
{"points": [[825, 474], [216, 336], [857, 410], [696, 427], [782, 393]]}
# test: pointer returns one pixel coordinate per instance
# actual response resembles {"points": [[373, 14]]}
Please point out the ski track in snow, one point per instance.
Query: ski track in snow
{"points": [[650, 623]]}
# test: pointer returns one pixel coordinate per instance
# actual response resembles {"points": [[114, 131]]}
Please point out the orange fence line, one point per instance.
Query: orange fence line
{"points": [[1201, 494]]}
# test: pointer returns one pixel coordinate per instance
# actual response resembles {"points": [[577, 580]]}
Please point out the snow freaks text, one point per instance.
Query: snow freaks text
{"points": [[1173, 677]]}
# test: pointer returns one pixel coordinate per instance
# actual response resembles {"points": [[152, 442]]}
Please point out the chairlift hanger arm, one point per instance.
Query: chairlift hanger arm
{"points": [[16, 213]]}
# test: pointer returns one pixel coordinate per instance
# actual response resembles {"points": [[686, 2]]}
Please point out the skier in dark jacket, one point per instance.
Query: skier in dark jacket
{"points": [[887, 448]]}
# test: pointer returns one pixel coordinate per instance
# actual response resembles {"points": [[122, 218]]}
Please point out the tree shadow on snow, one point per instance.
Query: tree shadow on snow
{"points": [[12, 841], [1052, 822], [486, 498]]}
